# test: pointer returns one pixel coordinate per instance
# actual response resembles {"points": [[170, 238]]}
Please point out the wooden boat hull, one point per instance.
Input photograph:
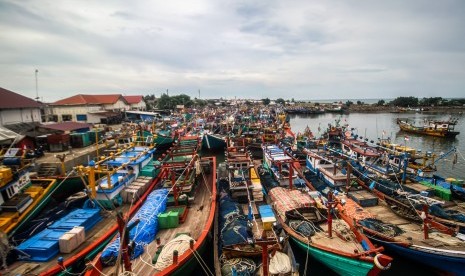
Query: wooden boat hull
{"points": [[70, 185], [445, 263], [102, 241], [444, 134], [213, 142], [340, 264], [34, 209]]}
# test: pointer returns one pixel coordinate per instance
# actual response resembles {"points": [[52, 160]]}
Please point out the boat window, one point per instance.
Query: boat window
{"points": [[11, 191]]}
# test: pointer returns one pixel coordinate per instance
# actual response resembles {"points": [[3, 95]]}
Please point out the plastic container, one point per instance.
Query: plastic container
{"points": [[173, 219]]}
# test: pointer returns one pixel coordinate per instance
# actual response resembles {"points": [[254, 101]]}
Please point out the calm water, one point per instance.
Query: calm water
{"points": [[372, 127]]}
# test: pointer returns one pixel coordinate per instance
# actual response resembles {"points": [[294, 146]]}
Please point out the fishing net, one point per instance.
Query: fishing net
{"points": [[242, 266], [144, 232], [233, 224], [377, 225], [304, 228], [438, 211]]}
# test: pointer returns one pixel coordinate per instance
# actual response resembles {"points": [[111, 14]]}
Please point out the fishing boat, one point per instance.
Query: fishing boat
{"points": [[281, 166], [212, 141], [21, 197], [422, 239], [434, 128], [245, 234], [311, 227], [64, 244], [409, 200], [323, 166], [170, 234], [362, 209], [310, 224]]}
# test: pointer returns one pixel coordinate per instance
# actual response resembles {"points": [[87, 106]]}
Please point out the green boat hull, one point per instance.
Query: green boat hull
{"points": [[70, 185], [339, 264]]}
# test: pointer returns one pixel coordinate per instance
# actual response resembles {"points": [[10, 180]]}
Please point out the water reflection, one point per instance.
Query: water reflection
{"points": [[374, 126]]}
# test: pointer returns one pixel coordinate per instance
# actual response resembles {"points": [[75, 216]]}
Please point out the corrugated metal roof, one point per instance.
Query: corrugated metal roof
{"points": [[82, 99], [66, 126], [10, 99], [7, 136]]}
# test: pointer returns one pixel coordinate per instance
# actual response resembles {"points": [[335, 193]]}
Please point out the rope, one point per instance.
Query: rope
{"points": [[306, 256], [460, 154], [98, 270], [202, 262], [165, 259]]}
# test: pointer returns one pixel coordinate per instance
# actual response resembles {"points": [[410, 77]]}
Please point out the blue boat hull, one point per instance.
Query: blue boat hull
{"points": [[455, 265]]}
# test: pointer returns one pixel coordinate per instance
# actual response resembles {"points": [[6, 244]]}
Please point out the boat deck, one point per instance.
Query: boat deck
{"points": [[24, 267], [342, 238], [413, 233], [197, 217]]}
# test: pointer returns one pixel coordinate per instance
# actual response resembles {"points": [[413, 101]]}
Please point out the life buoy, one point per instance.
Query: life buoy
{"points": [[378, 264]]}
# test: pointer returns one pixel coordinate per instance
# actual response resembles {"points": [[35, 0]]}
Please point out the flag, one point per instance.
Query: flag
{"points": [[406, 138]]}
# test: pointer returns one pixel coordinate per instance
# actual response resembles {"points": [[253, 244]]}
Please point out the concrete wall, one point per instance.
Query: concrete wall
{"points": [[23, 115]]}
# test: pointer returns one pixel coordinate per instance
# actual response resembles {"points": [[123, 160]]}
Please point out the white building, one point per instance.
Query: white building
{"points": [[15, 108], [136, 102], [88, 108]]}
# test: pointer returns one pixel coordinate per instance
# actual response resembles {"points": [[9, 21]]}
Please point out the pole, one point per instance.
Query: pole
{"points": [[425, 221], [37, 86], [291, 173], [330, 215], [349, 171]]}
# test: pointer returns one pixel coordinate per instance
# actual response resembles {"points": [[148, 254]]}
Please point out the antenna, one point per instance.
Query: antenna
{"points": [[37, 86]]}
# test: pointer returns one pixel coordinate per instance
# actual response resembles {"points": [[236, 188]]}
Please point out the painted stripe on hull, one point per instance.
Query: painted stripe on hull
{"points": [[339, 264]]}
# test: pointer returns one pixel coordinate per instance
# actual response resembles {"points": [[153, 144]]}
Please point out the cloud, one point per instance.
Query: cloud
{"points": [[296, 49]]}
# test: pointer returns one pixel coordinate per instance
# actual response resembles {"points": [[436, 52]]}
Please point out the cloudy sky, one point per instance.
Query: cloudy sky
{"points": [[335, 49]]}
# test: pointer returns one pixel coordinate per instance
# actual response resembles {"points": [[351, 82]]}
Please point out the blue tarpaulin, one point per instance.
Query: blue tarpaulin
{"points": [[144, 232]]}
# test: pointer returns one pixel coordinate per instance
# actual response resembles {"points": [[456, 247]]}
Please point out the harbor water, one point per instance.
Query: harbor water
{"points": [[383, 125]]}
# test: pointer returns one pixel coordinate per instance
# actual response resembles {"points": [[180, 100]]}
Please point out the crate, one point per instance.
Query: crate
{"points": [[80, 234], [268, 223], [364, 198], [163, 221], [173, 219], [68, 242]]}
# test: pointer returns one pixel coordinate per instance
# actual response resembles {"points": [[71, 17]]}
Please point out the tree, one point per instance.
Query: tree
{"points": [[164, 102], [405, 101], [349, 103], [380, 103], [280, 101], [360, 102], [266, 101]]}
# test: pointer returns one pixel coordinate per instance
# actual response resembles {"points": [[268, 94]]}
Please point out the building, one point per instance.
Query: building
{"points": [[91, 108], [15, 108], [136, 102]]}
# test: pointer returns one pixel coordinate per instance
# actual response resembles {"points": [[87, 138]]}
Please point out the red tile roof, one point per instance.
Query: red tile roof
{"points": [[66, 126], [81, 99], [10, 99], [133, 99]]}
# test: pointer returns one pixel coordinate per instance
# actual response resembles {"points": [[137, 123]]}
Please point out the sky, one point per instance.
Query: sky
{"points": [[334, 49]]}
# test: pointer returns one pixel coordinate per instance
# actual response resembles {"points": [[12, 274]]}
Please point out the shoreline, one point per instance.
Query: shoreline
{"points": [[388, 109]]}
